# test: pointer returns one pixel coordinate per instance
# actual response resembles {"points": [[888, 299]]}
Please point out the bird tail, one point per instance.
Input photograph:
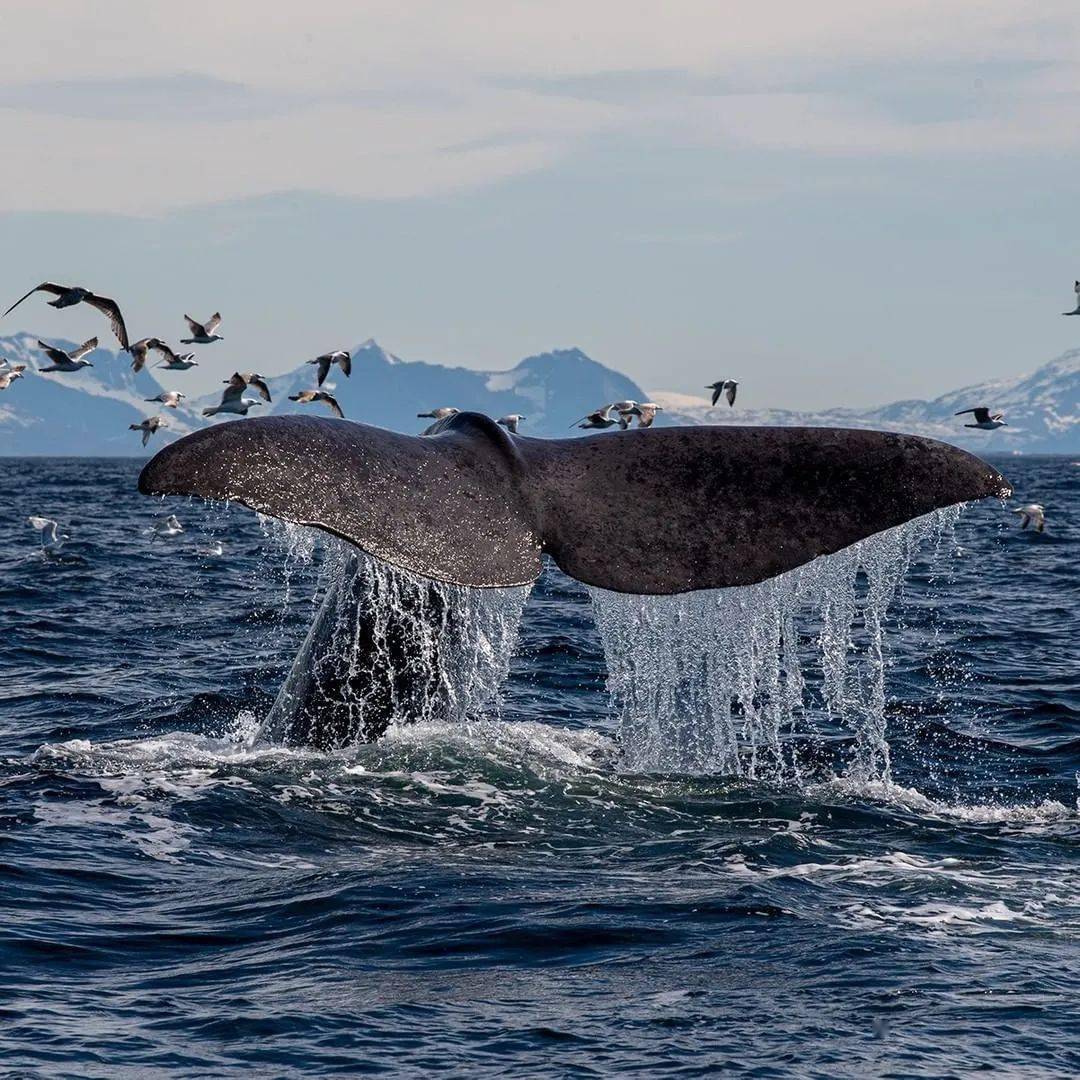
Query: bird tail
{"points": [[211, 411]]}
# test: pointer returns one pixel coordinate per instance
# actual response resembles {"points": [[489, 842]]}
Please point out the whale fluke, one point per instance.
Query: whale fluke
{"points": [[649, 511]]}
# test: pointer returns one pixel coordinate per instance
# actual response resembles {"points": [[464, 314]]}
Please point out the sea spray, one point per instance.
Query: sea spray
{"points": [[387, 648], [714, 681]]}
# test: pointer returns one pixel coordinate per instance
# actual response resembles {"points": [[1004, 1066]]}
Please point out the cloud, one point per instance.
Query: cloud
{"points": [[384, 100]]}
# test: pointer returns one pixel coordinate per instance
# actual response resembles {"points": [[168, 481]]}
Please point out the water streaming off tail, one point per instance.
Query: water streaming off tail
{"points": [[387, 647], [712, 681]]}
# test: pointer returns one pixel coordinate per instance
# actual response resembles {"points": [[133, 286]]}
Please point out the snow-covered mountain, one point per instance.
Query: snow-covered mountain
{"points": [[88, 413], [1042, 411]]}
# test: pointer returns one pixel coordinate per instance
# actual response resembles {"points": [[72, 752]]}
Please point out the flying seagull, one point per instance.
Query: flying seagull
{"points": [[600, 419], [1032, 514], [252, 379], [438, 414], [68, 361], [70, 295], [46, 528], [984, 419], [340, 357], [203, 333], [174, 362], [305, 397], [233, 401], [169, 398], [140, 348], [729, 385], [511, 422], [645, 412], [148, 427], [1076, 310], [9, 374]]}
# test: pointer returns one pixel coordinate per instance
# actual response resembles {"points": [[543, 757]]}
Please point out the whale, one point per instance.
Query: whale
{"points": [[469, 504]]}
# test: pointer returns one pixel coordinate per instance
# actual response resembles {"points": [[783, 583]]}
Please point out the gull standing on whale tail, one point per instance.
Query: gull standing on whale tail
{"points": [[148, 427], [50, 541], [730, 386], [70, 295], [1032, 514], [203, 333], [306, 397], [341, 357], [68, 361], [1075, 310], [984, 419], [233, 400], [439, 414]]}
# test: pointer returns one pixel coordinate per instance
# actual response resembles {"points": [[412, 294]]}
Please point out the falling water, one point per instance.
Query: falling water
{"points": [[388, 648], [713, 681]]}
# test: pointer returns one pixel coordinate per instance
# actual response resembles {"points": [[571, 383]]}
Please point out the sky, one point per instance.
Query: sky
{"points": [[836, 203]]}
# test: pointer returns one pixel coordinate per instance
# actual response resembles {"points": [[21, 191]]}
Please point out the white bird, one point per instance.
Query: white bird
{"points": [[169, 398], [601, 418], [148, 427], [439, 414], [645, 412], [70, 295], [174, 361], [984, 419], [68, 361], [511, 421], [728, 386], [46, 527], [203, 333], [252, 379], [233, 401], [168, 526], [339, 356], [1032, 514], [305, 397], [1076, 310], [9, 374]]}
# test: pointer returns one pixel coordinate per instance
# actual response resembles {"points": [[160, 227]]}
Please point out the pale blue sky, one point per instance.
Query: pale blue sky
{"points": [[836, 204]]}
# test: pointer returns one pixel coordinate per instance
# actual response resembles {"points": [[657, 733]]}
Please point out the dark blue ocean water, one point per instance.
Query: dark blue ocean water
{"points": [[504, 898]]}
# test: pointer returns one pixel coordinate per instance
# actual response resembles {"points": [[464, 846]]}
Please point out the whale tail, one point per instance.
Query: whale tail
{"points": [[640, 511]]}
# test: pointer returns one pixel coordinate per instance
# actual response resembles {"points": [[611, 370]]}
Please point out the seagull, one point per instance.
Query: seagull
{"points": [[203, 333], [623, 406], [148, 427], [1076, 289], [645, 412], [9, 374], [46, 527], [511, 422], [599, 419], [339, 356], [233, 401], [168, 526], [72, 361], [169, 398], [70, 295], [252, 379], [305, 397], [984, 419], [1032, 514], [717, 388], [439, 414], [175, 362], [140, 348]]}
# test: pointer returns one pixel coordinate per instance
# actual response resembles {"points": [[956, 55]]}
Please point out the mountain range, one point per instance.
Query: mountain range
{"points": [[88, 413]]}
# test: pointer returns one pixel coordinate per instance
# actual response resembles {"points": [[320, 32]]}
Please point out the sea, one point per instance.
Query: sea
{"points": [[826, 826]]}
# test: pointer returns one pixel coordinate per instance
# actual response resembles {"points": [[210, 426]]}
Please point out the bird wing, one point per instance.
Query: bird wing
{"points": [[717, 391], [234, 391], [197, 328], [52, 352], [213, 322], [732, 390], [964, 412], [236, 380], [84, 348], [324, 363], [41, 523], [334, 407], [161, 347], [45, 286], [981, 415], [111, 310], [261, 386]]}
